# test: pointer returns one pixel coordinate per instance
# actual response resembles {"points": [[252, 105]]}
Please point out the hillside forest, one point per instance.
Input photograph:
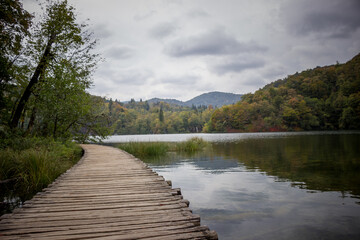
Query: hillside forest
{"points": [[324, 98]]}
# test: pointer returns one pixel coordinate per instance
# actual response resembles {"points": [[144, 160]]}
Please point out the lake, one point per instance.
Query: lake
{"points": [[269, 185]]}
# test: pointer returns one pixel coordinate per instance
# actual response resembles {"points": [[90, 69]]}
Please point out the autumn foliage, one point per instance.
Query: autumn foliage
{"points": [[324, 98]]}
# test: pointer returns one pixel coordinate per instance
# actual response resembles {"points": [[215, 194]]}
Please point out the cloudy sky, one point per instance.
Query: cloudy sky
{"points": [[183, 48]]}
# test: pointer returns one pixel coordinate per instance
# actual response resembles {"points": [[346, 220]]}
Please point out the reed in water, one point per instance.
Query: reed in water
{"points": [[156, 149]]}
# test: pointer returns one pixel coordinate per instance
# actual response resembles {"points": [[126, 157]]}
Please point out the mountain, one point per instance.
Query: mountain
{"points": [[216, 99]]}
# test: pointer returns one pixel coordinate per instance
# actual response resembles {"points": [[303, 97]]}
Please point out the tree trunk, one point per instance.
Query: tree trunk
{"points": [[32, 121], [55, 126], [33, 81]]}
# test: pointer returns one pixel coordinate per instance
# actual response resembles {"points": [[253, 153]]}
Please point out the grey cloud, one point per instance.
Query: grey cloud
{"points": [[180, 80], [120, 52], [254, 81], [178, 2], [163, 30], [134, 77], [332, 18], [237, 65], [126, 77], [198, 13], [145, 16], [101, 31], [274, 72], [216, 42]]}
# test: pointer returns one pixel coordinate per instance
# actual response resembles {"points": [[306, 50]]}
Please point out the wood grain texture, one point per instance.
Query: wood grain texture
{"points": [[109, 194]]}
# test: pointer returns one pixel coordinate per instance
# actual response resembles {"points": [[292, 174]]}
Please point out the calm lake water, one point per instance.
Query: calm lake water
{"points": [[270, 186]]}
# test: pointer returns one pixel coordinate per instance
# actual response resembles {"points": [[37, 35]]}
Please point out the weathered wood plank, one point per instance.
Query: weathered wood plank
{"points": [[91, 217], [127, 205], [97, 222], [39, 203], [99, 227], [110, 233], [108, 195]]}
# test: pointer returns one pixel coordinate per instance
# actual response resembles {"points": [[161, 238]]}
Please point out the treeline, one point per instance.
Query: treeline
{"points": [[156, 118], [324, 98], [45, 71]]}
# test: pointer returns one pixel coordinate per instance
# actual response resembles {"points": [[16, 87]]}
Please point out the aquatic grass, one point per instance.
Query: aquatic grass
{"points": [[158, 149], [192, 145], [145, 149]]}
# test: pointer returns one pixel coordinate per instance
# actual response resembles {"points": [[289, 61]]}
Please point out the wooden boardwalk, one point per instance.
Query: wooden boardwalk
{"points": [[108, 195]]}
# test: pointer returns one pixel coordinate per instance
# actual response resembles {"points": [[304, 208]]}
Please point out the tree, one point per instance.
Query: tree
{"points": [[58, 38], [61, 101], [161, 115]]}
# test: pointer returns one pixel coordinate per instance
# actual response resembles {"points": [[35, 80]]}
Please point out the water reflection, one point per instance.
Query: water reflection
{"points": [[295, 187], [322, 162]]}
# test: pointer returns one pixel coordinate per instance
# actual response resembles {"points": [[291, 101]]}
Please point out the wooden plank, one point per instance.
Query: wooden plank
{"points": [[71, 218], [113, 233], [91, 223], [98, 227], [109, 194], [126, 205], [101, 212], [90, 200]]}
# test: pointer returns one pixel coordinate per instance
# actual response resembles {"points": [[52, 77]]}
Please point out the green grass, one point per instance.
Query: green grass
{"points": [[145, 149], [28, 165], [158, 149], [192, 145]]}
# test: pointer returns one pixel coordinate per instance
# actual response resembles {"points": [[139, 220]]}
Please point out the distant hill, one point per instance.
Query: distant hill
{"points": [[170, 101], [216, 99]]}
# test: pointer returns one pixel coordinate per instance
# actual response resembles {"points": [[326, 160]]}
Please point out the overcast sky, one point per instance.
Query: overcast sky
{"points": [[183, 48]]}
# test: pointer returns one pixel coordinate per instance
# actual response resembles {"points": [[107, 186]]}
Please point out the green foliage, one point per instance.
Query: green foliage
{"points": [[47, 95], [14, 28], [155, 118], [325, 98], [30, 164]]}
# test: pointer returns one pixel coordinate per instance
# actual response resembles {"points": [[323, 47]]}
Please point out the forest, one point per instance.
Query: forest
{"points": [[156, 118], [324, 98]]}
